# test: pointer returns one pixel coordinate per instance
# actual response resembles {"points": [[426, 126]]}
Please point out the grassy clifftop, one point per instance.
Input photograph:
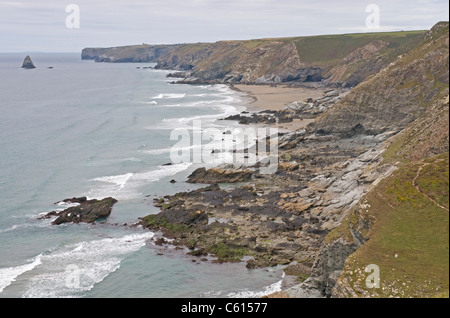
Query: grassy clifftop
{"points": [[339, 59], [127, 54], [410, 237]]}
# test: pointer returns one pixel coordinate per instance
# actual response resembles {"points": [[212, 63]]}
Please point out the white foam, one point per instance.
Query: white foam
{"points": [[45, 223], [9, 275], [163, 171], [169, 96], [185, 122], [275, 287], [93, 261], [120, 181], [126, 186]]}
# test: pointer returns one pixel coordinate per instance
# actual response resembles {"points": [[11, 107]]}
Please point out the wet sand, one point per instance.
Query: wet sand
{"points": [[275, 98]]}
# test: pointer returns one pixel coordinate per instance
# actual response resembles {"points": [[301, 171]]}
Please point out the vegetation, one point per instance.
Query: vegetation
{"points": [[326, 50], [410, 238]]}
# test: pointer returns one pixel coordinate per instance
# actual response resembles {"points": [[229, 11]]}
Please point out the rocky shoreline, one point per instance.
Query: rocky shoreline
{"points": [[283, 218]]}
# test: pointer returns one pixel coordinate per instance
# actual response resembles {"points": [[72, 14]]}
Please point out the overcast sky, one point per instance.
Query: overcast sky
{"points": [[40, 25]]}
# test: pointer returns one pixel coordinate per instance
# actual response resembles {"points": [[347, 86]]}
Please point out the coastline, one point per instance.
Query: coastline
{"points": [[275, 98], [278, 219]]}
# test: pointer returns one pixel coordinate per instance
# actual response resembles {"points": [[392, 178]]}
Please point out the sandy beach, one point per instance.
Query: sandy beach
{"points": [[277, 97]]}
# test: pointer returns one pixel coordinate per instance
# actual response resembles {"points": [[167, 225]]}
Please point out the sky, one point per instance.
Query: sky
{"points": [[46, 26]]}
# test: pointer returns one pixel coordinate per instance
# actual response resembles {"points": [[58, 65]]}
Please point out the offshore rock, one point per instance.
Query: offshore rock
{"points": [[28, 63], [88, 211]]}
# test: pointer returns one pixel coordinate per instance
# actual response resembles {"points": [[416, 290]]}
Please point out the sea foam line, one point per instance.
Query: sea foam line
{"points": [[9, 275], [126, 186], [94, 261], [169, 96], [274, 288]]}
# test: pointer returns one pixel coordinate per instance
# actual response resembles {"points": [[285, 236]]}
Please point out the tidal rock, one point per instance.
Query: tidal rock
{"points": [[28, 63], [218, 175], [88, 211]]}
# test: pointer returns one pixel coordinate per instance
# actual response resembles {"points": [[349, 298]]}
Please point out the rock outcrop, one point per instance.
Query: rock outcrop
{"points": [[219, 175], [395, 96], [336, 60], [84, 211], [28, 63]]}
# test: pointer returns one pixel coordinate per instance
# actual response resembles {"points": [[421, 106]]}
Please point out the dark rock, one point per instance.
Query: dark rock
{"points": [[28, 63], [74, 200], [87, 212], [160, 241], [218, 175]]}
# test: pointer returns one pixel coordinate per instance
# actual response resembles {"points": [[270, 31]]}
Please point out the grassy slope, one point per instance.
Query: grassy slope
{"points": [[409, 213], [410, 238], [396, 95], [327, 50]]}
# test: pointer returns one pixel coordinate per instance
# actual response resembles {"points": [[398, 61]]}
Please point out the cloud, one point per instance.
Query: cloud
{"points": [[40, 25]]}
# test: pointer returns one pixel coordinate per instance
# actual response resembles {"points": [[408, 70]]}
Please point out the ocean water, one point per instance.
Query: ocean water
{"points": [[91, 129]]}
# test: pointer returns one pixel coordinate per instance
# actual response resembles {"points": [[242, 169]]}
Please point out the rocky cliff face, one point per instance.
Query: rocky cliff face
{"points": [[127, 54], [240, 62], [338, 60], [398, 94], [404, 216], [289, 60]]}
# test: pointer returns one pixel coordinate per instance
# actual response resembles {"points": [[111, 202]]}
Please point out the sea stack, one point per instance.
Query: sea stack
{"points": [[28, 63]]}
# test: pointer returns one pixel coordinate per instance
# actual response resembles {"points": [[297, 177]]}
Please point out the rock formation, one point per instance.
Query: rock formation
{"points": [[127, 54], [395, 96], [86, 211], [367, 184], [28, 63], [337, 60], [218, 175]]}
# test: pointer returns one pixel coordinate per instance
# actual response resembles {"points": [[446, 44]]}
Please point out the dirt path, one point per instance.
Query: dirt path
{"points": [[420, 191]]}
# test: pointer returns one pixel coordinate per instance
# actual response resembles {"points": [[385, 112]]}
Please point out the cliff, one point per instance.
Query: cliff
{"points": [[338, 60], [401, 224], [406, 216], [367, 184], [398, 94], [127, 54], [343, 60]]}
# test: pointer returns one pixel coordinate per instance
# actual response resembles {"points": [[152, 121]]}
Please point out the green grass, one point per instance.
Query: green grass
{"points": [[327, 49], [409, 225]]}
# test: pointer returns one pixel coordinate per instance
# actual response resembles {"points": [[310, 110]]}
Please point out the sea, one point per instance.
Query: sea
{"points": [[73, 128]]}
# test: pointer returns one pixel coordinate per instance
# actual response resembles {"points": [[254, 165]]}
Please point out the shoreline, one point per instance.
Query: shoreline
{"points": [[275, 98], [274, 219]]}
